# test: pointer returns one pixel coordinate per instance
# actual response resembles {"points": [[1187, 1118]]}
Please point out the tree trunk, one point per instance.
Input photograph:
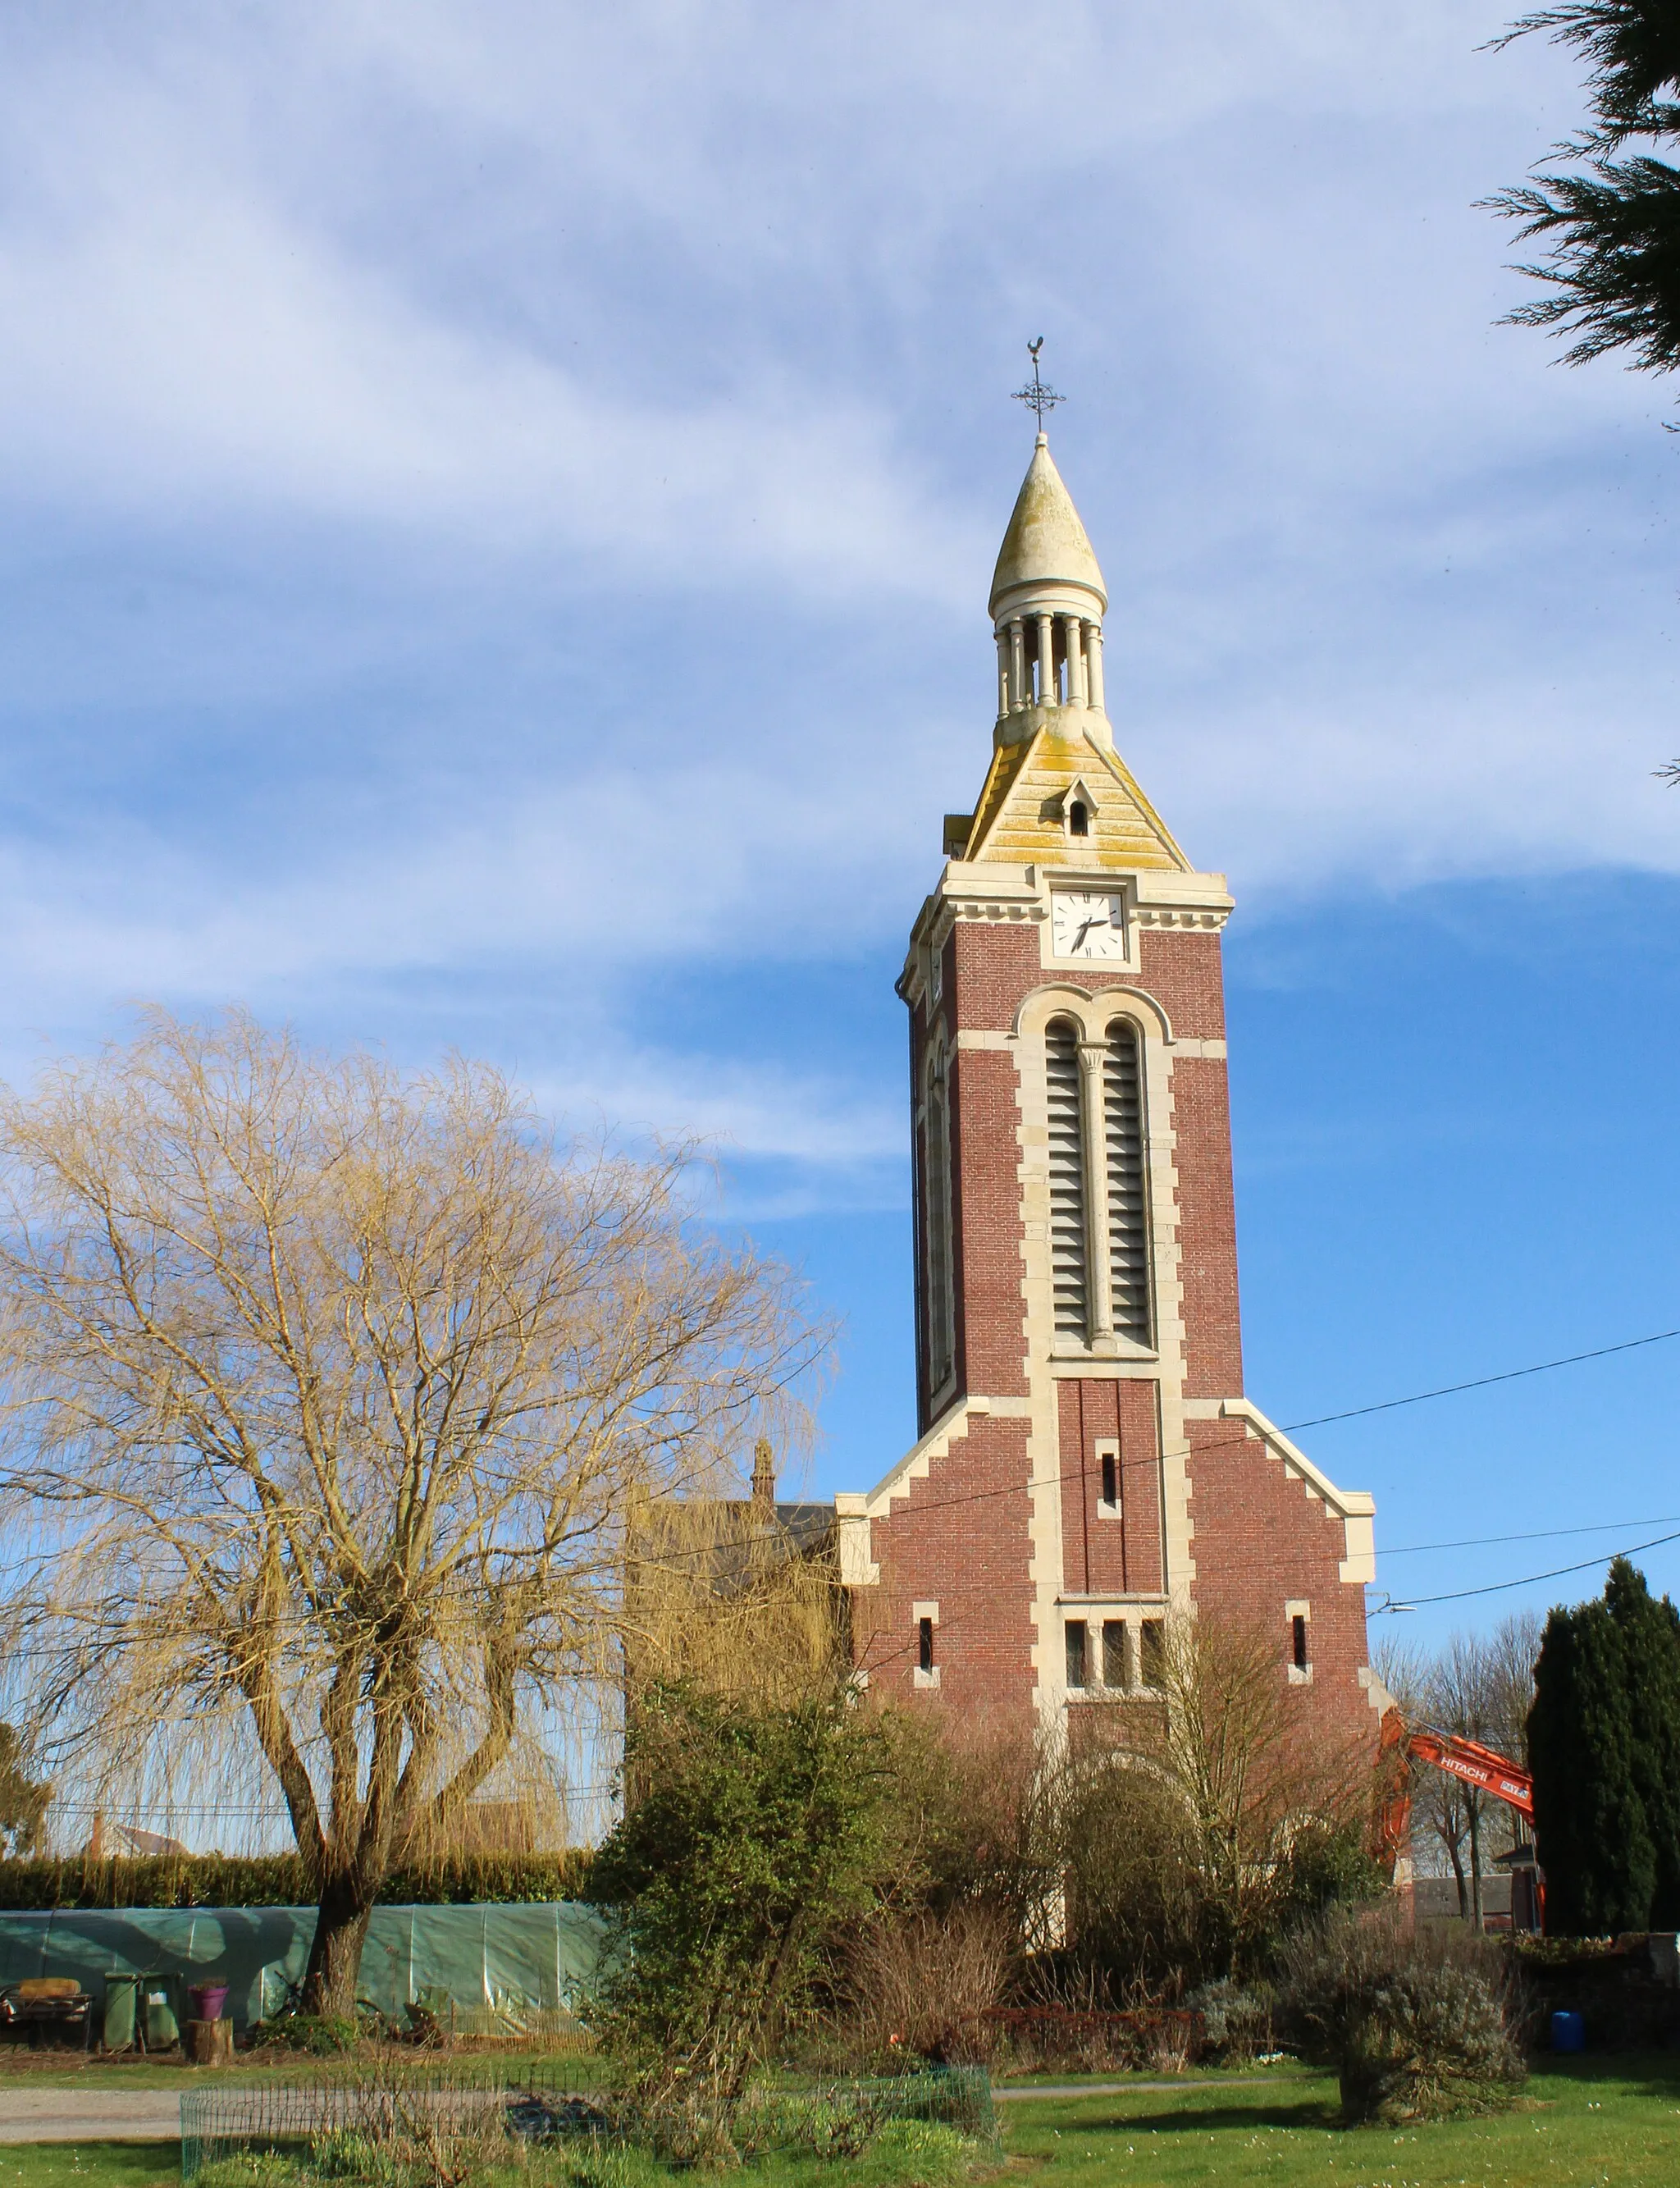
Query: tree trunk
{"points": [[335, 1953], [1475, 1864], [1456, 1859]]}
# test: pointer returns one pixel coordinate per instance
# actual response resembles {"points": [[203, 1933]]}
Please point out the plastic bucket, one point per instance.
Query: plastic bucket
{"points": [[1569, 2033], [207, 2001], [120, 1994]]}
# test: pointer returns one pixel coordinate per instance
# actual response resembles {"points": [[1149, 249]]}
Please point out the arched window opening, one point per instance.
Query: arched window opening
{"points": [[940, 1317], [1128, 1212], [1079, 819], [1066, 1179]]}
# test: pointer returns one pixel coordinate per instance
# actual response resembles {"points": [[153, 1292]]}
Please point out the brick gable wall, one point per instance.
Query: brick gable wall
{"points": [[1261, 1540]]}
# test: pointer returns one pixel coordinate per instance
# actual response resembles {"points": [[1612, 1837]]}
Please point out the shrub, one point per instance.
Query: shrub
{"points": [[320, 2035], [925, 1983], [1418, 2025], [756, 1835], [1236, 2018]]}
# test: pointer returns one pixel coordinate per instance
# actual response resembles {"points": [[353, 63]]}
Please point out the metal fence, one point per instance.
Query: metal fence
{"points": [[292, 2115], [408, 2105]]}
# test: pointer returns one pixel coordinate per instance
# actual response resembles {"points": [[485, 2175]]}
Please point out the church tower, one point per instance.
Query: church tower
{"points": [[1087, 1462]]}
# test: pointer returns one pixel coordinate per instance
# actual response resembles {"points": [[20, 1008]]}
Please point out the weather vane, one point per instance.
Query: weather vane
{"points": [[1039, 400]]}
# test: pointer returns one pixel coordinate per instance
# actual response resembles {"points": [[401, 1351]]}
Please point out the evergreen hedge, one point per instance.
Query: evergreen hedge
{"points": [[278, 1879]]}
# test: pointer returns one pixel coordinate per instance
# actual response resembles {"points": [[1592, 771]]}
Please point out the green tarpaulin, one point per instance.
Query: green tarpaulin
{"points": [[499, 1966]]}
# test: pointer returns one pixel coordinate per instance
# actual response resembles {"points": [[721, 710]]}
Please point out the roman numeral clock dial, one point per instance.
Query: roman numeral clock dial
{"points": [[1087, 923]]}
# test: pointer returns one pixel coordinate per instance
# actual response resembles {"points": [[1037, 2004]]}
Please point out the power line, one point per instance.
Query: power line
{"points": [[1485, 1382], [1528, 1580], [1539, 1535]]}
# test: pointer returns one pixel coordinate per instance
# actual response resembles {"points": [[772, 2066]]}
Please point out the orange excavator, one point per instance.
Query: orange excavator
{"points": [[1403, 1745]]}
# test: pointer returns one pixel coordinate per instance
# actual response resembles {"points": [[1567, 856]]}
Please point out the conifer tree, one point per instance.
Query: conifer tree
{"points": [[1594, 1752], [1612, 226], [1650, 1639]]}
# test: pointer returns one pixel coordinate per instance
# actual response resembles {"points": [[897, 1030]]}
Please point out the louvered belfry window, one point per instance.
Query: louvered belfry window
{"points": [[1128, 1215], [938, 1239], [1066, 1179]]}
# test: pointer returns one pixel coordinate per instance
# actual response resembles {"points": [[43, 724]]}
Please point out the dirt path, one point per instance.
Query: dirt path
{"points": [[73, 2115]]}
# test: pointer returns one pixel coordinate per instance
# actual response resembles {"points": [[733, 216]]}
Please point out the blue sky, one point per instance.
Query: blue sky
{"points": [[496, 506]]}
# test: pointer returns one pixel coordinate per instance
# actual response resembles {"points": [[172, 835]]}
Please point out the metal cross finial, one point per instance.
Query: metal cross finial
{"points": [[1039, 398]]}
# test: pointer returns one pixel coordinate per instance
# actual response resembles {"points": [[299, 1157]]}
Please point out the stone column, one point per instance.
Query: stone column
{"points": [[1017, 662], [1076, 697], [1093, 654], [1002, 672], [1099, 1289], [1047, 694]]}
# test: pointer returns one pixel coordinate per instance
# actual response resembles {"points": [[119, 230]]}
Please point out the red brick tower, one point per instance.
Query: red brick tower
{"points": [[1086, 1460]]}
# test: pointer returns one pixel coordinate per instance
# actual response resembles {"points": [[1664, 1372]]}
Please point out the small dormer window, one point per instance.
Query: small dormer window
{"points": [[1075, 808]]}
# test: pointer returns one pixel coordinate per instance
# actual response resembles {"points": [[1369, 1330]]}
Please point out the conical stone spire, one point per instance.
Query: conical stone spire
{"points": [[1045, 558]]}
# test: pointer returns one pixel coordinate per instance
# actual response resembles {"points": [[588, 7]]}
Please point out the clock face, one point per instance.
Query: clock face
{"points": [[1087, 923]]}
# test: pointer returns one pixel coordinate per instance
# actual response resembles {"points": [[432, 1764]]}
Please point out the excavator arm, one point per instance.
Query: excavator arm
{"points": [[1476, 1765], [1404, 1745]]}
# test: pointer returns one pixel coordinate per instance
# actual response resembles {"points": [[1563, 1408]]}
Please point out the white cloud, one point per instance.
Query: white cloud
{"points": [[593, 425]]}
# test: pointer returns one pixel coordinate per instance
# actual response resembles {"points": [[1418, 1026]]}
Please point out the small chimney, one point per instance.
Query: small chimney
{"points": [[764, 1477]]}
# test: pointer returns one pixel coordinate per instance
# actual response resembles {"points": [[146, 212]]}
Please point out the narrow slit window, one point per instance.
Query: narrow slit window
{"points": [[1076, 1652], [1066, 1179], [1111, 1481], [924, 1645], [1116, 1670], [1298, 1640], [1079, 818], [1128, 1209], [1152, 1652]]}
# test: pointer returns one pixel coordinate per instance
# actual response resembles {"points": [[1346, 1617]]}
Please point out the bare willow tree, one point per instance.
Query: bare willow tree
{"points": [[1260, 1775], [731, 1598], [326, 1392]]}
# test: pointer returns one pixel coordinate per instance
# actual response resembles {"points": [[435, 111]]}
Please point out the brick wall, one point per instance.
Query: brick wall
{"points": [[1101, 1554], [989, 1233], [1186, 974], [958, 1539], [1207, 1228]]}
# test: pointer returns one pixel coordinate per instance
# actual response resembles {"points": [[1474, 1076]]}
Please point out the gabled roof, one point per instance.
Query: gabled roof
{"points": [[1019, 817]]}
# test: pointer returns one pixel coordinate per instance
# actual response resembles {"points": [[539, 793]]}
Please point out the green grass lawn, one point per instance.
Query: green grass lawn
{"points": [[90, 2165], [1580, 2124]]}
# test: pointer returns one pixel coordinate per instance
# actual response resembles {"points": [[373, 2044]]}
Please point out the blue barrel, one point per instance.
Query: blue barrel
{"points": [[1569, 2033]]}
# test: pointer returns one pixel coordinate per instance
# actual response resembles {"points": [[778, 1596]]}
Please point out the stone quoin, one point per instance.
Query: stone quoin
{"points": [[1087, 1462]]}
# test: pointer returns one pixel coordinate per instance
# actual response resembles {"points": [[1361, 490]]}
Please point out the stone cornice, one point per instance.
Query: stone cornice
{"points": [[977, 890]]}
